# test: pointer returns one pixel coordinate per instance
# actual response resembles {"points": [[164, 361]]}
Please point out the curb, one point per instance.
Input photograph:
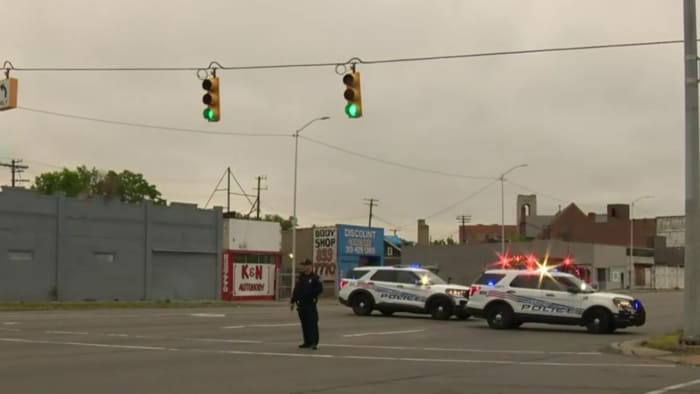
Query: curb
{"points": [[635, 348]]}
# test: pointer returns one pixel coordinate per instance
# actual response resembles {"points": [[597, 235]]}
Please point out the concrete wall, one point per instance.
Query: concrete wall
{"points": [[57, 248]]}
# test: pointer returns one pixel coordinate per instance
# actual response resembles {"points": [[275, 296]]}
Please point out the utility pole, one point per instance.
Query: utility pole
{"points": [[372, 204], [464, 219], [229, 174], [15, 169], [394, 230], [257, 200], [691, 292]]}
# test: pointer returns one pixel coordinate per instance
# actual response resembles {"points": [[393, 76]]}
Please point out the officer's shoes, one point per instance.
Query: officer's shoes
{"points": [[304, 346], [314, 347]]}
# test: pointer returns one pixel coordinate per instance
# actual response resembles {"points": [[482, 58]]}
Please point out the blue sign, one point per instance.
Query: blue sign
{"points": [[360, 241]]}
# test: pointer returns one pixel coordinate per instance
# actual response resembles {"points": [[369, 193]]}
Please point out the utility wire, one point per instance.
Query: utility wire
{"points": [[467, 198], [7, 65], [149, 126], [226, 133], [396, 164]]}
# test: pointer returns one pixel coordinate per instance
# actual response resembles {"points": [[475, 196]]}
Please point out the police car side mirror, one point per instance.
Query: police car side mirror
{"points": [[573, 289]]}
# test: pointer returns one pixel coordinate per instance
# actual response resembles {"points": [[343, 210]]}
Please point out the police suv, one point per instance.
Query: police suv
{"points": [[392, 289], [508, 298]]}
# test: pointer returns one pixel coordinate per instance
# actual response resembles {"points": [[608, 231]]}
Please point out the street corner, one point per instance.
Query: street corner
{"points": [[636, 348]]}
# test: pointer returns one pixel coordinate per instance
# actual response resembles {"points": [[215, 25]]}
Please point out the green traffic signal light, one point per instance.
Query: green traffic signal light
{"points": [[351, 110], [208, 114]]}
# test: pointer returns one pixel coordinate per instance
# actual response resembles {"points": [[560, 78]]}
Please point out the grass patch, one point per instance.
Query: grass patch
{"points": [[73, 305], [669, 342]]}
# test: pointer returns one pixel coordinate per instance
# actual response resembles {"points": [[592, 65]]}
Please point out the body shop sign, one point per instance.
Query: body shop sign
{"points": [[325, 252]]}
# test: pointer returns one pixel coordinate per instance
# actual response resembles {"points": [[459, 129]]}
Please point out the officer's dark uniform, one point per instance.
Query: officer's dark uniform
{"points": [[306, 292]]}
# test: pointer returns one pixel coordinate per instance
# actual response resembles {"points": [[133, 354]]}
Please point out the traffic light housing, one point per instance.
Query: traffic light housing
{"points": [[353, 94], [212, 112]]}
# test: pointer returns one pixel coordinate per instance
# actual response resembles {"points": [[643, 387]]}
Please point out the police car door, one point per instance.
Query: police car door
{"points": [[568, 303], [383, 284], [409, 286], [524, 295]]}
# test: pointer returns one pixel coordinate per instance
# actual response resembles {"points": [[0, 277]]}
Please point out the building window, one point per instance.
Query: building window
{"points": [[20, 255], [389, 251], [102, 257]]}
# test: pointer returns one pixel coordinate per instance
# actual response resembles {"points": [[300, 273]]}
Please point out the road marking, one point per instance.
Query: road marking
{"points": [[10, 323], [88, 344], [266, 325], [216, 340], [364, 334], [10, 329], [208, 314], [358, 357], [674, 387], [462, 350], [66, 332]]}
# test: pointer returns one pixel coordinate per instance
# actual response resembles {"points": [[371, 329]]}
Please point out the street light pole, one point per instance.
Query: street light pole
{"points": [[630, 268], [294, 209], [503, 227]]}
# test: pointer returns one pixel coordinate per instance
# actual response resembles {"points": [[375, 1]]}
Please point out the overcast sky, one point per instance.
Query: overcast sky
{"points": [[594, 126]]}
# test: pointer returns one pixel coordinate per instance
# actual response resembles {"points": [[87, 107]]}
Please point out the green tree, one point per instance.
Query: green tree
{"points": [[448, 241], [127, 186]]}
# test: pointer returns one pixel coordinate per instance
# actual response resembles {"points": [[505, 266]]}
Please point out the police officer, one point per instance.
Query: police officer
{"points": [[305, 296]]}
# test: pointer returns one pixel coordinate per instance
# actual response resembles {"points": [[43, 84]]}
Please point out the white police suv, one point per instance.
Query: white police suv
{"points": [[508, 298], [390, 289]]}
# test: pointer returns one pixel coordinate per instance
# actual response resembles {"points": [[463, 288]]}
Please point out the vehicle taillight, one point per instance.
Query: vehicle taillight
{"points": [[473, 289], [343, 282]]}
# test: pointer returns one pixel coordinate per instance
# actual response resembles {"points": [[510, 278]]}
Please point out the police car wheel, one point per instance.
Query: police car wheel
{"points": [[362, 305], [441, 309], [500, 316], [599, 321]]}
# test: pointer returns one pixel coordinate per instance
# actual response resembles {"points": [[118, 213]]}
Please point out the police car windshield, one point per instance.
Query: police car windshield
{"points": [[431, 278]]}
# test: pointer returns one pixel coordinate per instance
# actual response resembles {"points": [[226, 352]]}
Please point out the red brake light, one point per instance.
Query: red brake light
{"points": [[343, 282], [473, 289]]}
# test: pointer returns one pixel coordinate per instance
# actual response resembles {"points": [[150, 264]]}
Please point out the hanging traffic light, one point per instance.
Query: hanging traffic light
{"points": [[353, 94], [212, 112]]}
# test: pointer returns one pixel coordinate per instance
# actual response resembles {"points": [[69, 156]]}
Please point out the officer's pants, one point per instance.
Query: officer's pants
{"points": [[308, 314]]}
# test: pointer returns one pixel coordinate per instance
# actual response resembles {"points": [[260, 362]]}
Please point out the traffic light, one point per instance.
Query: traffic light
{"points": [[212, 112], [353, 94]]}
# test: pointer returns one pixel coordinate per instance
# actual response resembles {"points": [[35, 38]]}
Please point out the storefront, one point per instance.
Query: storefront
{"points": [[251, 260]]}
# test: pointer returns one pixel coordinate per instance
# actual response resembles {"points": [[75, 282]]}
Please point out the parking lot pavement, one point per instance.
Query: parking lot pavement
{"points": [[255, 350]]}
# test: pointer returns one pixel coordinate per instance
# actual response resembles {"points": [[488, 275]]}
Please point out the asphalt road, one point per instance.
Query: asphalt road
{"points": [[254, 350]]}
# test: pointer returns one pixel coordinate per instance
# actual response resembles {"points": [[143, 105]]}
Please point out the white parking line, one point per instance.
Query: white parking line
{"points": [[208, 314], [216, 340], [66, 332], [10, 323], [361, 357], [102, 345], [364, 334], [263, 325], [463, 350], [674, 387]]}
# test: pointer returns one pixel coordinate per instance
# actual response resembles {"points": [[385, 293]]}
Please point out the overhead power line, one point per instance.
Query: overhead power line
{"points": [[239, 134], [396, 164], [155, 127], [7, 65]]}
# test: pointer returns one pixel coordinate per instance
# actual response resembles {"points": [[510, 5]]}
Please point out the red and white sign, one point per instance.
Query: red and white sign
{"points": [[325, 252], [256, 280]]}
